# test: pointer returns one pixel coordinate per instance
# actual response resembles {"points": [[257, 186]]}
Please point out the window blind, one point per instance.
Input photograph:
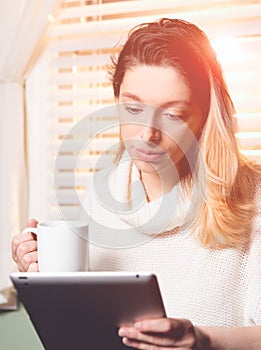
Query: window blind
{"points": [[74, 69]]}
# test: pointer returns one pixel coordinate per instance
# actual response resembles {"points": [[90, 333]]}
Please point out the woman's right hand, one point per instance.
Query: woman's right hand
{"points": [[24, 249]]}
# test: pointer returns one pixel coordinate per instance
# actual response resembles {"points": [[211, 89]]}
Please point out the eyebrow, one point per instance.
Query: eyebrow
{"points": [[166, 104]]}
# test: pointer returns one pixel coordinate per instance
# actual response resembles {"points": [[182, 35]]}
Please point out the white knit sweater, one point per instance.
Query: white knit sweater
{"points": [[209, 287]]}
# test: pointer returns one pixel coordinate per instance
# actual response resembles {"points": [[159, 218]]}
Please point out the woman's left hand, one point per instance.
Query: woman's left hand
{"points": [[164, 333]]}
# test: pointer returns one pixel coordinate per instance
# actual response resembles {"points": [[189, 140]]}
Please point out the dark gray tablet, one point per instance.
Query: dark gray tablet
{"points": [[83, 310]]}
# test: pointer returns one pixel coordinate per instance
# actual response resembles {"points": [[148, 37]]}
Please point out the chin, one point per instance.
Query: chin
{"points": [[146, 167]]}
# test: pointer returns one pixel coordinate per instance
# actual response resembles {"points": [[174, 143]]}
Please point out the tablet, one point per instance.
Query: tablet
{"points": [[83, 310]]}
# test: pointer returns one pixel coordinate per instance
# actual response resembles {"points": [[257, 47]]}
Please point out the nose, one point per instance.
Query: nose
{"points": [[150, 134], [150, 128]]}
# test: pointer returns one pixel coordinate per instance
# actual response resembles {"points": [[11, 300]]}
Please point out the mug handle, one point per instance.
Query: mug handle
{"points": [[30, 229]]}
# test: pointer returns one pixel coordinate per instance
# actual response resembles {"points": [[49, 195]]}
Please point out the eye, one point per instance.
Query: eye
{"points": [[172, 116], [133, 109]]}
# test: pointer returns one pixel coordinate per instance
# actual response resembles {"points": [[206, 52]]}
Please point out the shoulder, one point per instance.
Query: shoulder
{"points": [[251, 190], [256, 224], [257, 193], [257, 201]]}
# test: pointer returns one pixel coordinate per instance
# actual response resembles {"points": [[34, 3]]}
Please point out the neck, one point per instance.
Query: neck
{"points": [[156, 185]]}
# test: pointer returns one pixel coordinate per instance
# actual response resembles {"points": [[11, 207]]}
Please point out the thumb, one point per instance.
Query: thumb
{"points": [[32, 223]]}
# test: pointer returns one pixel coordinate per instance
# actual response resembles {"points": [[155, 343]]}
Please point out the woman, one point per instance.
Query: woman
{"points": [[180, 201]]}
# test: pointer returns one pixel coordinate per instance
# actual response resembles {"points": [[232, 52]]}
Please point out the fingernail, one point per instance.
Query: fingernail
{"points": [[126, 341], [138, 325], [123, 332]]}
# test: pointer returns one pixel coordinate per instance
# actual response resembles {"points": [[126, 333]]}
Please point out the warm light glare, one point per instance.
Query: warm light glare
{"points": [[251, 152], [254, 154], [247, 115], [51, 18], [249, 135], [229, 49]]}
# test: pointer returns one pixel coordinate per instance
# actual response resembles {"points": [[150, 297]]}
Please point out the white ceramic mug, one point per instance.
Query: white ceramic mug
{"points": [[62, 245]]}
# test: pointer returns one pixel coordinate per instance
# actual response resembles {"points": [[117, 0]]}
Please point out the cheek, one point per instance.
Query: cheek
{"points": [[128, 131], [180, 140]]}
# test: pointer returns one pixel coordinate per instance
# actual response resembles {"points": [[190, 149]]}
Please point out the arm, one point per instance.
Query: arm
{"points": [[234, 338], [180, 334]]}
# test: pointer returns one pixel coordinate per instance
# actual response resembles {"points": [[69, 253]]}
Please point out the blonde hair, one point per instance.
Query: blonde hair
{"points": [[231, 180]]}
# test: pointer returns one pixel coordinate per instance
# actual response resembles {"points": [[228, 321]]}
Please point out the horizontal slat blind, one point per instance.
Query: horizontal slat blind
{"points": [[79, 47]]}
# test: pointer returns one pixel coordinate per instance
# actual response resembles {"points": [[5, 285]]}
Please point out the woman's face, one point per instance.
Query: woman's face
{"points": [[159, 117]]}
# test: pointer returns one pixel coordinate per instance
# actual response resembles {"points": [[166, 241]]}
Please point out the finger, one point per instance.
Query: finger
{"points": [[134, 344], [25, 248], [26, 264], [162, 332], [33, 267], [23, 237], [156, 339], [17, 246], [159, 325], [26, 254], [144, 346], [32, 223], [29, 259], [164, 325], [18, 240]]}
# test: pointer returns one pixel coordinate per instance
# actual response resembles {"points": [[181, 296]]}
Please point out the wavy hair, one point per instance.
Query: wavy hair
{"points": [[226, 180]]}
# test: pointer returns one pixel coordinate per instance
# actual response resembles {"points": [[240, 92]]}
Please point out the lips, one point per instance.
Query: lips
{"points": [[148, 155]]}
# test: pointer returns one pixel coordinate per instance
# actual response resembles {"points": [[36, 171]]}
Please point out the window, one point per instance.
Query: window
{"points": [[70, 82]]}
